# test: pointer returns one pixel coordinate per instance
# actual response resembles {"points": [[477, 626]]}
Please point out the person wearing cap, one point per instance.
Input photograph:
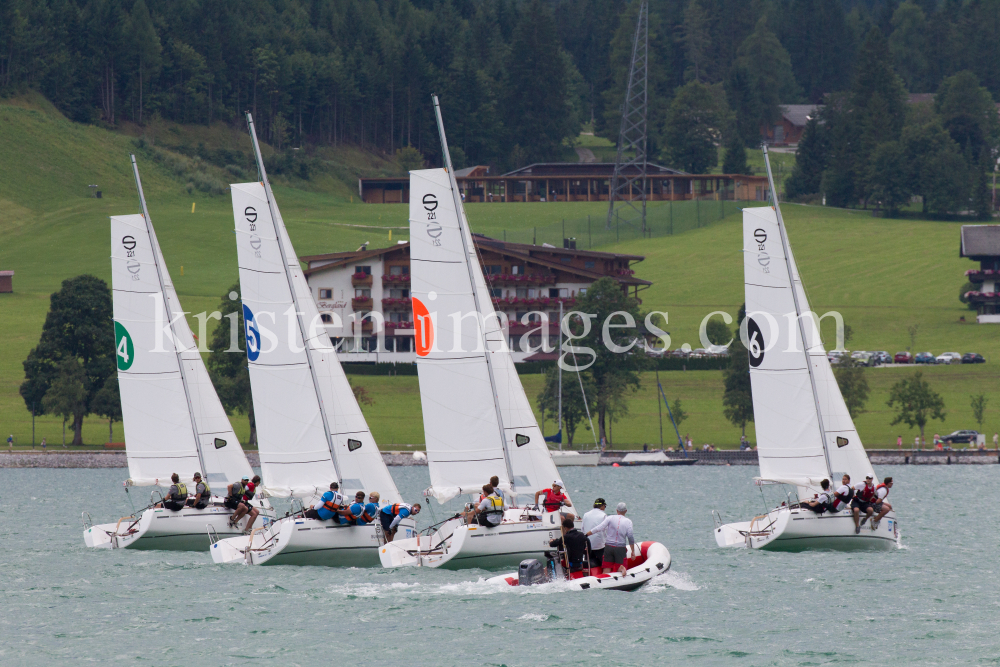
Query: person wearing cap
{"points": [[554, 497], [202, 494], [234, 494], [617, 531], [575, 545], [245, 507], [864, 501], [591, 520]]}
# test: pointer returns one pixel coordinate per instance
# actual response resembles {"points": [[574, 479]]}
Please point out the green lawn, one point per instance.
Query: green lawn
{"points": [[883, 275]]}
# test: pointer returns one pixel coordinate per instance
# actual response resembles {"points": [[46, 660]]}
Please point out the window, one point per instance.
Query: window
{"points": [[403, 343], [534, 317], [326, 318], [351, 446], [396, 316], [590, 264], [566, 260], [220, 443], [362, 293], [395, 270], [326, 294], [519, 315], [553, 293], [493, 269], [522, 292], [517, 270], [496, 293], [563, 292], [399, 293], [367, 270], [532, 293], [583, 290]]}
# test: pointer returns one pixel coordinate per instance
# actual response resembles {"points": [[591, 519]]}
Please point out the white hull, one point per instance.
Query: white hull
{"points": [[301, 541], [654, 559], [563, 459], [457, 545], [798, 529], [185, 530]]}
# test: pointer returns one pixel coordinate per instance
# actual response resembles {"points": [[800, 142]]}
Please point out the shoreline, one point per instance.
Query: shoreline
{"points": [[117, 459]]}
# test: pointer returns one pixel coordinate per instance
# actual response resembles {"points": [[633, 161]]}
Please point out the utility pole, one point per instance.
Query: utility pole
{"points": [[630, 163]]}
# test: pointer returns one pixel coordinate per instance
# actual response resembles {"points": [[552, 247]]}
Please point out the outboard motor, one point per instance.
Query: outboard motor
{"points": [[531, 572]]}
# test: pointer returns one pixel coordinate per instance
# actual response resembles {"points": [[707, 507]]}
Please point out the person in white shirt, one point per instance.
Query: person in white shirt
{"points": [[842, 496], [591, 520], [617, 530], [822, 500], [881, 506]]}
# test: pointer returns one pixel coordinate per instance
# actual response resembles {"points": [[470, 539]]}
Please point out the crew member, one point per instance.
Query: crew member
{"points": [[330, 504], [176, 495], [508, 500], [576, 545], [842, 496], [356, 510], [489, 512], [371, 508], [234, 500], [202, 494], [822, 501], [881, 507], [864, 498], [617, 530], [246, 507], [391, 515], [554, 497], [591, 520]]}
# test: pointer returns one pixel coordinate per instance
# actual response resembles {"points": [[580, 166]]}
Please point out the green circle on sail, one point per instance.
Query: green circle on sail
{"points": [[124, 349]]}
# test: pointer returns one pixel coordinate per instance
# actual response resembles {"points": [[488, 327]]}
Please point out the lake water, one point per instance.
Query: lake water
{"points": [[934, 601]]}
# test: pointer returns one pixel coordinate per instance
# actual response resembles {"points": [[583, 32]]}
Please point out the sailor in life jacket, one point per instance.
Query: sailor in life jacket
{"points": [[391, 515], [489, 512], [822, 501], [864, 499], [176, 495], [881, 506], [329, 504], [245, 506], [842, 496], [554, 497], [371, 508], [203, 494], [355, 511]]}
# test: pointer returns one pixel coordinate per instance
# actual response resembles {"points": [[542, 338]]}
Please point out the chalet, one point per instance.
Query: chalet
{"points": [[981, 243], [6, 282], [793, 123], [570, 181], [364, 296]]}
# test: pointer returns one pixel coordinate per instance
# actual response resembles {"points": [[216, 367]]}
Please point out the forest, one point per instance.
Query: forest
{"points": [[518, 79]]}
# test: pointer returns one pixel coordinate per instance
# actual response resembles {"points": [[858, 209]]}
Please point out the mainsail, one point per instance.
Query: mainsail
{"points": [[467, 442], [172, 416], [796, 443], [309, 425]]}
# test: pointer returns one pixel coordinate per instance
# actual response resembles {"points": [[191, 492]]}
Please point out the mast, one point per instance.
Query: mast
{"points": [[560, 376], [460, 213], [170, 319], [295, 302], [798, 312]]}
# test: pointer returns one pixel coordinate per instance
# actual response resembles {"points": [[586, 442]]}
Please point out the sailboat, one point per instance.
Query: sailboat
{"points": [[173, 419], [310, 428], [571, 457], [804, 432], [477, 420]]}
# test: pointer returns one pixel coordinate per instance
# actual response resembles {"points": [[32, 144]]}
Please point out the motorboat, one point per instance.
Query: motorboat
{"points": [[310, 428], [478, 422], [805, 433], [173, 419], [569, 457], [656, 458], [651, 559]]}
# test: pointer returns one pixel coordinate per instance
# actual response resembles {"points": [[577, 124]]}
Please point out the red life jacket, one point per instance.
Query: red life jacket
{"points": [[866, 494], [841, 499], [552, 501], [882, 486]]}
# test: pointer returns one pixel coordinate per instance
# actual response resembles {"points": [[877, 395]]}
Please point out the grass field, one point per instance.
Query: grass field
{"points": [[882, 275]]}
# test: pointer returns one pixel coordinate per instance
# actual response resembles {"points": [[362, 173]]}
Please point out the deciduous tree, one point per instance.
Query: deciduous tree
{"points": [[915, 402]]}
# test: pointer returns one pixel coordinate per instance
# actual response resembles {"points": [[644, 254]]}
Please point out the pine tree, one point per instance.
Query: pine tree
{"points": [[810, 161], [696, 122], [735, 160], [770, 68]]}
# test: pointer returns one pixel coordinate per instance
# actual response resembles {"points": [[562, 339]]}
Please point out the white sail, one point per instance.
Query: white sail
{"points": [[295, 453], [461, 426], [789, 446], [160, 429], [845, 449]]}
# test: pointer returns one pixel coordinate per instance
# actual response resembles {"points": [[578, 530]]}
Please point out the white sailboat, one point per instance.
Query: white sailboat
{"points": [[569, 457], [804, 432], [172, 416], [477, 419], [310, 429]]}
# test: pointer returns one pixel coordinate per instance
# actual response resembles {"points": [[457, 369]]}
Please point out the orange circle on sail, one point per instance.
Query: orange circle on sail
{"points": [[423, 327]]}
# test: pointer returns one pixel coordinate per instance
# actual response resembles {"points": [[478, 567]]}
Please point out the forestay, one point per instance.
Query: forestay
{"points": [[461, 426], [295, 454], [160, 430]]}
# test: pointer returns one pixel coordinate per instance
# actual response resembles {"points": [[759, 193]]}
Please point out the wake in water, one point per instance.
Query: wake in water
{"points": [[672, 579]]}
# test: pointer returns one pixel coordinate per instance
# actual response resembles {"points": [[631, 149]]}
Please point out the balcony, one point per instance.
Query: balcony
{"points": [[542, 302], [527, 279], [403, 279], [361, 279], [361, 303], [391, 303], [979, 275], [391, 327], [516, 328], [365, 326], [983, 297]]}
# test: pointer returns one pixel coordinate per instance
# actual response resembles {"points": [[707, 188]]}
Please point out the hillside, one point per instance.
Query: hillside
{"points": [[883, 275]]}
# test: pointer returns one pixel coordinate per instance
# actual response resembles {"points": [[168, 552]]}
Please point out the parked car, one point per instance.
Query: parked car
{"points": [[833, 356], [882, 357], [949, 358], [863, 358], [857, 354], [973, 358], [924, 358], [903, 358], [960, 437]]}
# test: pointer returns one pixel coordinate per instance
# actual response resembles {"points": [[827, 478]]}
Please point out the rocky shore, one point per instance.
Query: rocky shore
{"points": [[116, 459]]}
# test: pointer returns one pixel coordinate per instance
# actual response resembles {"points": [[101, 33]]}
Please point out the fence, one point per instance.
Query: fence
{"points": [[662, 219]]}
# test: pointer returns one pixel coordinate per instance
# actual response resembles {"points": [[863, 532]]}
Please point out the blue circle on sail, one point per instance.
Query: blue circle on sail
{"points": [[252, 333]]}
